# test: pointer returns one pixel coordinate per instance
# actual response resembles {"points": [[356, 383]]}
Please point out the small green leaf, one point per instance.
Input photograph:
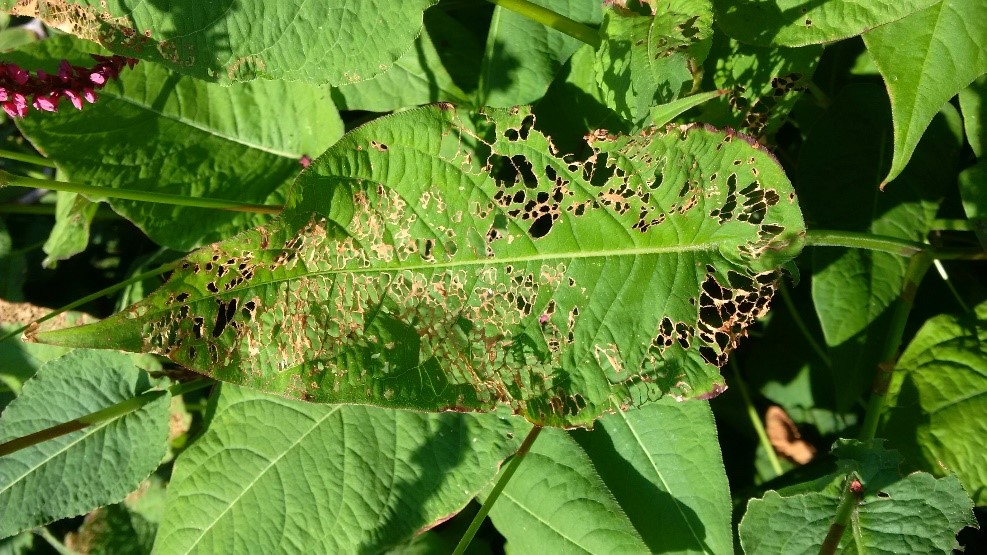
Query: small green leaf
{"points": [[914, 514], [179, 135], [338, 479], [973, 105], [973, 192], [665, 113], [925, 59], [523, 56], [331, 41], [798, 23], [414, 271], [646, 60], [70, 236], [74, 473], [937, 402], [646, 480]]}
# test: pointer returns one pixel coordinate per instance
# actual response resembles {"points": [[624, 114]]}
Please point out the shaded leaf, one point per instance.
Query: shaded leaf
{"points": [[973, 192], [853, 289], [523, 56], [74, 473], [938, 399], [70, 235], [113, 530], [179, 135], [411, 271], [973, 105], [646, 480], [334, 41], [925, 59], [798, 23], [913, 514], [338, 479], [665, 113], [12, 267]]}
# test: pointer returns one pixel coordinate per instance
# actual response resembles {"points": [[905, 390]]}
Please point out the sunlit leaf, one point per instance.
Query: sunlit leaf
{"points": [[925, 59], [412, 270], [973, 105], [332, 41]]}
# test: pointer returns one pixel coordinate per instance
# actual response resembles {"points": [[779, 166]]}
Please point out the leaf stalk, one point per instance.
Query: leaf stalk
{"points": [[844, 511], [552, 19], [884, 243], [28, 158]]}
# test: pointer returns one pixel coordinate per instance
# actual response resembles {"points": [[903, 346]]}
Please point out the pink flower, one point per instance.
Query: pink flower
{"points": [[76, 83], [74, 98], [97, 78], [305, 160], [46, 103]]}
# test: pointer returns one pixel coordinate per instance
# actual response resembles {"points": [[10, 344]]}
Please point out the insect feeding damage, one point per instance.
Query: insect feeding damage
{"points": [[415, 271]]}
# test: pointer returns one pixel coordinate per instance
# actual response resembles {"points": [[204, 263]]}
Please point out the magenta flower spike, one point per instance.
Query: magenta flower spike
{"points": [[76, 83]]}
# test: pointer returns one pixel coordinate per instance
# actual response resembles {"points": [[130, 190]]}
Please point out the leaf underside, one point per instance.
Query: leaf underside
{"points": [[422, 265]]}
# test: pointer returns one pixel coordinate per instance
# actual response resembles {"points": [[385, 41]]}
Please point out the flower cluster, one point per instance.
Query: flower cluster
{"points": [[75, 83]]}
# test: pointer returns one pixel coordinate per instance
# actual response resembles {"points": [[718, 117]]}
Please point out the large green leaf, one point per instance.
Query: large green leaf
{"points": [[333, 41], [413, 271], [523, 56], [646, 480], [913, 514], [925, 59], [798, 23], [853, 289], [74, 473], [179, 135], [335, 479], [939, 397]]}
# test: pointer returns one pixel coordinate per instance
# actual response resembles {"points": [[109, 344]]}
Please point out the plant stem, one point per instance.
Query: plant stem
{"points": [[49, 209], [552, 19], [786, 297], [100, 193], [112, 412], [917, 267], [949, 285], [101, 293], [843, 513], [505, 477], [883, 243], [762, 435], [58, 546], [24, 157]]}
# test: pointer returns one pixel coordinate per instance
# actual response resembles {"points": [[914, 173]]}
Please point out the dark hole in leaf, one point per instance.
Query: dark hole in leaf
{"points": [[182, 297], [709, 355], [600, 172], [550, 173], [511, 135], [211, 286], [541, 226], [197, 323]]}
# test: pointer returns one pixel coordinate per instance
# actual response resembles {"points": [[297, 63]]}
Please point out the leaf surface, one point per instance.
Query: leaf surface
{"points": [[925, 59], [74, 473], [333, 41], [973, 105], [647, 480], [798, 23], [178, 135], [73, 215], [338, 479], [413, 270], [938, 399]]}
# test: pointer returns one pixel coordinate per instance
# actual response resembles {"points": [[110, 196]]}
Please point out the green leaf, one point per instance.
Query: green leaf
{"points": [[338, 479], [665, 113], [937, 401], [411, 271], [70, 236], [798, 23], [13, 266], [114, 530], [645, 60], [914, 514], [973, 192], [763, 83], [853, 289], [74, 473], [925, 59], [523, 56], [646, 480], [178, 135], [973, 105], [333, 41]]}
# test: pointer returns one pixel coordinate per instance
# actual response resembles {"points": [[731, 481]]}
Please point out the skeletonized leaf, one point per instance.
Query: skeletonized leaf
{"points": [[332, 41], [421, 266]]}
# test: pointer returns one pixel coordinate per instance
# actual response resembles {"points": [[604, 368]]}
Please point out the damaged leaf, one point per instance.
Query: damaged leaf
{"points": [[421, 266]]}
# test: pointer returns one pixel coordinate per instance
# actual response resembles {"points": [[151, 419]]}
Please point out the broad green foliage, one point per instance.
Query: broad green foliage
{"points": [[925, 59], [646, 60], [798, 23], [853, 289], [73, 473], [523, 56], [320, 479], [70, 235], [412, 271], [938, 400], [645, 480], [178, 135], [332, 41], [912, 514]]}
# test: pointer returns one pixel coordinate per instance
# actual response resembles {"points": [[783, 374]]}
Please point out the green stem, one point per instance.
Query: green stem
{"points": [[809, 337], [552, 19], [58, 546], [971, 224], [101, 293], [49, 209], [112, 412], [949, 285], [24, 157], [762, 435], [883, 243], [917, 267], [505, 477], [848, 501], [101, 193]]}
